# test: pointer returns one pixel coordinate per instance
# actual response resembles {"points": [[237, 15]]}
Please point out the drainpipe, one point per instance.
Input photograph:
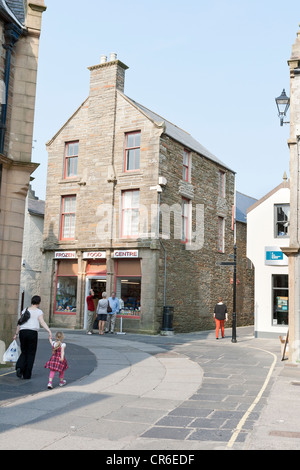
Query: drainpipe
{"points": [[12, 33]]}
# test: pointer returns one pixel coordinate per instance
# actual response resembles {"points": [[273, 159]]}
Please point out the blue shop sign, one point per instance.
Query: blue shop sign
{"points": [[274, 256]]}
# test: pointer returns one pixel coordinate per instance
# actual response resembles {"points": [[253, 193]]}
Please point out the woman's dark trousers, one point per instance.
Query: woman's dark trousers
{"points": [[28, 340]]}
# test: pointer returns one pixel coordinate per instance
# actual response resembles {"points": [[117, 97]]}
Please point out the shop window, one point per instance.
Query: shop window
{"points": [[71, 159], [130, 213], [280, 293], [68, 215], [128, 286], [129, 290], [186, 166], [221, 234], [66, 288], [282, 217], [66, 294], [132, 151]]}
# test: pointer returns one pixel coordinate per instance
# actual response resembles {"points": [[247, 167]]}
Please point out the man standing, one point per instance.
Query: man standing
{"points": [[111, 316], [90, 312]]}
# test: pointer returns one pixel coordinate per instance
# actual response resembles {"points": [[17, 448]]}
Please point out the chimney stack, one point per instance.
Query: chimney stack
{"points": [[113, 56], [107, 75]]}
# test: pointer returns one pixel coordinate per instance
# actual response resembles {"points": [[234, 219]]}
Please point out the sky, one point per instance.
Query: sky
{"points": [[212, 67]]}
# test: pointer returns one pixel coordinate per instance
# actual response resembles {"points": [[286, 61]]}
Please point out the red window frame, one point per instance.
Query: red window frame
{"points": [[186, 165], [73, 159], [221, 233], [185, 217], [62, 312], [130, 210], [136, 149], [64, 214]]}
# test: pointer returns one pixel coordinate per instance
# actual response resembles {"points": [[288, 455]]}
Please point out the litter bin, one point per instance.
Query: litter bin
{"points": [[168, 314]]}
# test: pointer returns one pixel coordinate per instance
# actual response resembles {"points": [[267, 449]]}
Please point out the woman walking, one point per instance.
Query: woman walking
{"points": [[28, 334], [220, 315], [102, 312]]}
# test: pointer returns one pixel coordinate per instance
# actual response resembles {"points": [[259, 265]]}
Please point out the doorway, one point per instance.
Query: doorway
{"points": [[98, 284]]}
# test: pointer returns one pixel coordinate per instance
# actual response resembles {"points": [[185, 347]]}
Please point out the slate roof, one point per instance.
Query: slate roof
{"points": [[18, 9], [171, 130], [243, 202], [179, 135], [36, 207]]}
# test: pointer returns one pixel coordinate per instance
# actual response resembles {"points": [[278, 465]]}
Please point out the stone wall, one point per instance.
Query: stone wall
{"points": [[194, 282]]}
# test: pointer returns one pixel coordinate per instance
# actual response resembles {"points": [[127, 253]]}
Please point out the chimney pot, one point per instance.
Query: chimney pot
{"points": [[113, 56], [103, 59]]}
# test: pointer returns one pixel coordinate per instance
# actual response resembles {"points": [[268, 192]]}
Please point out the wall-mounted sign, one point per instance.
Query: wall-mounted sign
{"points": [[65, 255], [94, 255], [275, 257], [126, 253]]}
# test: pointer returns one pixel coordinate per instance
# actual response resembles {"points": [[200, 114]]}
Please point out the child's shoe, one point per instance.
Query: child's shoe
{"points": [[62, 383], [50, 386]]}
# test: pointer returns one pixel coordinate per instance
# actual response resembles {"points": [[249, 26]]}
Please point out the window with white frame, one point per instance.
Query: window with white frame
{"points": [[282, 220], [68, 217], [71, 159], [130, 213], [132, 151]]}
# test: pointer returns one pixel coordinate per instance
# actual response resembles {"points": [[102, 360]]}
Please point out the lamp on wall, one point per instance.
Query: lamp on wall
{"points": [[283, 104]]}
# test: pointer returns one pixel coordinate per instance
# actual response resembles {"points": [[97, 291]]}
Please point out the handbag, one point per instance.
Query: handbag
{"points": [[24, 317], [109, 309], [12, 353]]}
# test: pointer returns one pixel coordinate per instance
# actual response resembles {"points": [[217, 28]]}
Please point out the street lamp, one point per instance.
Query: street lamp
{"points": [[283, 104]]}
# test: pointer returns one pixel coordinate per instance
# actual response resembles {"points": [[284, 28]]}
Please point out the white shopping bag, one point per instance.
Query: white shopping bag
{"points": [[12, 353]]}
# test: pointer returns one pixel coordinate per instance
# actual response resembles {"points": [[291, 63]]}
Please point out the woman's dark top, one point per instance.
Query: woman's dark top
{"points": [[220, 311]]}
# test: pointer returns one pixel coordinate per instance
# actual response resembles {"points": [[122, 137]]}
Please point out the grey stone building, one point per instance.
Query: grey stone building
{"points": [[32, 261], [134, 205]]}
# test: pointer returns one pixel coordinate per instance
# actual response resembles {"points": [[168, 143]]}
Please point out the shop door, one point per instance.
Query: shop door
{"points": [[98, 284]]}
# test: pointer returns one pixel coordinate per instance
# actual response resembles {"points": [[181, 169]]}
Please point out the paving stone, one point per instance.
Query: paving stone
{"points": [[167, 433]]}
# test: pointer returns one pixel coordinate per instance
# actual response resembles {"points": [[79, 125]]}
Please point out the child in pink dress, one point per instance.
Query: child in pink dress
{"points": [[57, 362]]}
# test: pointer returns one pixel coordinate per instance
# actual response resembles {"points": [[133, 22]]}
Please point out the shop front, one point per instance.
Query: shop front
{"points": [[65, 302], [95, 278], [128, 282], [76, 273]]}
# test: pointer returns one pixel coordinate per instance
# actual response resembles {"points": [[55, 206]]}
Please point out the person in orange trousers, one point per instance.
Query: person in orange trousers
{"points": [[220, 315]]}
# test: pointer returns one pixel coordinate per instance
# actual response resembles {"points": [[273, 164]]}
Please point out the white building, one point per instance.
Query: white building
{"points": [[267, 233], [31, 252]]}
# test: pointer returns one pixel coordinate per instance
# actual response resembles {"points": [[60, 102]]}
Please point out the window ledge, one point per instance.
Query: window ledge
{"points": [[70, 180], [131, 173]]}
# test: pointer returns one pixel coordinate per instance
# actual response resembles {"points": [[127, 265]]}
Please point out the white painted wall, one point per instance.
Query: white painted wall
{"points": [[260, 234]]}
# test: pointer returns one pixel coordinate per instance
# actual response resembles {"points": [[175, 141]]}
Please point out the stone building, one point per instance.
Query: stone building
{"points": [[114, 169], [31, 269], [20, 27]]}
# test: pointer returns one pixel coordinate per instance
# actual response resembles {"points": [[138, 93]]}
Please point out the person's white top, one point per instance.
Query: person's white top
{"points": [[33, 322], [54, 343]]}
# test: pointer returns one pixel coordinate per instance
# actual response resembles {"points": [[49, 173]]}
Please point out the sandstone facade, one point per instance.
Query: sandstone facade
{"points": [[19, 34], [191, 281]]}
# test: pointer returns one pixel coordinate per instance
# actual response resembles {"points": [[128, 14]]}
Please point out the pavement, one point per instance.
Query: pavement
{"points": [[149, 393]]}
